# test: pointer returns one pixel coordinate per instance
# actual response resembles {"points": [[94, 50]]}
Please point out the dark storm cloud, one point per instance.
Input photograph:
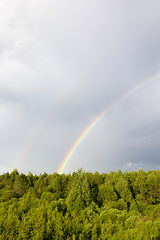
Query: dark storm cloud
{"points": [[147, 131]]}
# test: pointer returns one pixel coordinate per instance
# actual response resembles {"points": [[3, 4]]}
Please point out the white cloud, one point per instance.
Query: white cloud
{"points": [[129, 164]]}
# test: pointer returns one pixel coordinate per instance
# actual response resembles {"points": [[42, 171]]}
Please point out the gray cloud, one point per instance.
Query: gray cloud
{"points": [[61, 64]]}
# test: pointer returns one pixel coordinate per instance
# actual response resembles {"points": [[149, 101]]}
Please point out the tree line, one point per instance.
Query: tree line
{"points": [[81, 205]]}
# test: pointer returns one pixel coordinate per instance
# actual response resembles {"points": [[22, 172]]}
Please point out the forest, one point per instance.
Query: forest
{"points": [[81, 205]]}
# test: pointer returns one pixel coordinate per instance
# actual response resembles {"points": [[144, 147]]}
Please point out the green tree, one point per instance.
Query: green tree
{"points": [[153, 187], [123, 190], [79, 196], [8, 195], [20, 185], [106, 194]]}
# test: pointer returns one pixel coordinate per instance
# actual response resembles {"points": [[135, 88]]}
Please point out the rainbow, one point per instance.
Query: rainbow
{"points": [[37, 129], [101, 115], [30, 140]]}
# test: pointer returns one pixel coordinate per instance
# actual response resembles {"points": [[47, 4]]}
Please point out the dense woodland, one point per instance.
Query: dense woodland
{"points": [[81, 205]]}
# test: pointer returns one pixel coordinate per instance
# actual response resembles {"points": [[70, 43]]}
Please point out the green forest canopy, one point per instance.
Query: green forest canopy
{"points": [[81, 205]]}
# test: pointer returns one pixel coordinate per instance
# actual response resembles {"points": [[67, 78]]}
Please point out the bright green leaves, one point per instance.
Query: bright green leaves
{"points": [[106, 194], [80, 196], [80, 206]]}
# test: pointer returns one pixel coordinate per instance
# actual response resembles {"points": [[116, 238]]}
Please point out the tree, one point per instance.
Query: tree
{"points": [[106, 194], [124, 190], [79, 196]]}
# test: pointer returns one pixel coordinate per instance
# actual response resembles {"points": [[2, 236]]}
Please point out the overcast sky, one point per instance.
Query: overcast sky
{"points": [[61, 64]]}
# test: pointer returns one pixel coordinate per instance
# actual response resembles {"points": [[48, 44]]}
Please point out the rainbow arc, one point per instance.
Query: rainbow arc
{"points": [[101, 115]]}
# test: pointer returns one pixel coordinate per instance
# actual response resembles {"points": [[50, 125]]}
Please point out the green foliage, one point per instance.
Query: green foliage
{"points": [[123, 190], [80, 206], [79, 197], [20, 185], [106, 194], [8, 195]]}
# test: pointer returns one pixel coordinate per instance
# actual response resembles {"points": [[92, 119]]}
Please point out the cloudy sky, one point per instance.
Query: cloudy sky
{"points": [[64, 62]]}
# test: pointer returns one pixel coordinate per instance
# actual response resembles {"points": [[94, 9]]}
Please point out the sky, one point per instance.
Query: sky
{"points": [[62, 63]]}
